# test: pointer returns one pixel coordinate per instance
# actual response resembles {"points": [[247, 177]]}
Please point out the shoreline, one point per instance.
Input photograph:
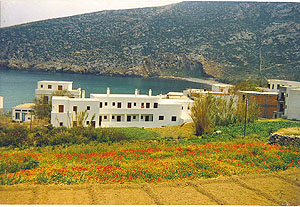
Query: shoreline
{"points": [[203, 81], [189, 79]]}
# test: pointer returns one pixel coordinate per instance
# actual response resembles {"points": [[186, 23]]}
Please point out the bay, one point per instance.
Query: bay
{"points": [[17, 86]]}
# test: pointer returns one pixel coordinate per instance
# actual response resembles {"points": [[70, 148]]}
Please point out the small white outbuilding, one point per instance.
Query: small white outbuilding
{"points": [[23, 112]]}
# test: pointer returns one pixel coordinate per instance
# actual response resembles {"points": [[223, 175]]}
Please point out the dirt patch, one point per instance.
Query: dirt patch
{"points": [[279, 189]]}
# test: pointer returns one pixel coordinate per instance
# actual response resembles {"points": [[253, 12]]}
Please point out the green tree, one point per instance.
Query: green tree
{"points": [[42, 108], [202, 114], [209, 111], [245, 86]]}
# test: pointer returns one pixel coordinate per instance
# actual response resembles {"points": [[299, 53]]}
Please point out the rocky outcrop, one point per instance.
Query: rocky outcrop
{"points": [[284, 140]]}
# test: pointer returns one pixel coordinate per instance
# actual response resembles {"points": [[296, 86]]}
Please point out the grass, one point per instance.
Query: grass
{"points": [[289, 131], [144, 155], [143, 163], [185, 130]]}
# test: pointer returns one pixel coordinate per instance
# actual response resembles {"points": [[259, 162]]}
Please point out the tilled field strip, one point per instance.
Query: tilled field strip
{"points": [[272, 189]]}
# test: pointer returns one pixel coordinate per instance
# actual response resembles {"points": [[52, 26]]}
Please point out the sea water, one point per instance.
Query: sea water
{"points": [[17, 86]]}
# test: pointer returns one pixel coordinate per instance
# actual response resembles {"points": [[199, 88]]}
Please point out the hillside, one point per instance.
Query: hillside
{"points": [[225, 40]]}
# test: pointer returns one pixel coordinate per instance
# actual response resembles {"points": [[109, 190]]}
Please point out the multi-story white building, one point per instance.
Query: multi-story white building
{"points": [[288, 100], [274, 84], [121, 110], [22, 112], [45, 89]]}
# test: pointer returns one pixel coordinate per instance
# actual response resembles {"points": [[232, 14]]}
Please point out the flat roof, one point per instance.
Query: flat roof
{"points": [[72, 99], [123, 96], [260, 93], [43, 81], [25, 105], [288, 81], [175, 93]]}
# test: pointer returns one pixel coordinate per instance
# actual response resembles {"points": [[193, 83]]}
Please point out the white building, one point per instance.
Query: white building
{"points": [[274, 84], [45, 89], [292, 101], [122, 110], [22, 112], [224, 88], [288, 101]]}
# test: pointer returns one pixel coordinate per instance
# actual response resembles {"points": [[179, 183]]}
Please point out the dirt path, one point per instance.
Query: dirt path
{"points": [[272, 189]]}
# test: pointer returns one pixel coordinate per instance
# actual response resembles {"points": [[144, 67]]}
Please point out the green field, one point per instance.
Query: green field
{"points": [[46, 155]]}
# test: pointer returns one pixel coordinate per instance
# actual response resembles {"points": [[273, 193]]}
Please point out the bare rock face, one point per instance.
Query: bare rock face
{"points": [[284, 140], [225, 40]]}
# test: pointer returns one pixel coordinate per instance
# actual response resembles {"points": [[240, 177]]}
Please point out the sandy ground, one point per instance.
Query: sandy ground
{"points": [[272, 189], [199, 80]]}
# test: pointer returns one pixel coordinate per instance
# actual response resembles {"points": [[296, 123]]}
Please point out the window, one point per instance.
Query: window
{"points": [[17, 116], [118, 118], [59, 87], [105, 117], [88, 108], [61, 123], [113, 117], [129, 105], [101, 105], [188, 108], [61, 108], [173, 118], [278, 86], [142, 117], [75, 108], [147, 118], [113, 103], [161, 118], [74, 123], [87, 122], [182, 108], [42, 86], [155, 105], [105, 104], [128, 118], [272, 86], [142, 105], [134, 104], [147, 105], [119, 105], [134, 117], [49, 86], [269, 86]]}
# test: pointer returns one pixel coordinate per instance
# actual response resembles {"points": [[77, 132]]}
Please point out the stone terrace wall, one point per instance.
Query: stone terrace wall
{"points": [[284, 140]]}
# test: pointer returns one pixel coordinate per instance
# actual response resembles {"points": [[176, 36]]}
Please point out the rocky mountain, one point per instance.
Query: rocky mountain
{"points": [[224, 40]]}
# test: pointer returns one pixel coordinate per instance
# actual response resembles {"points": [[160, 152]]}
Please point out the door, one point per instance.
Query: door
{"points": [[128, 118], [100, 120], [23, 116]]}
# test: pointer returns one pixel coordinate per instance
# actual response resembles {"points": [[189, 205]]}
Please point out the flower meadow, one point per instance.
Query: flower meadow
{"points": [[145, 165]]}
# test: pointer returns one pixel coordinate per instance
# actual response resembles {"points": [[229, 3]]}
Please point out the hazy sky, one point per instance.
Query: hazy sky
{"points": [[22, 11]]}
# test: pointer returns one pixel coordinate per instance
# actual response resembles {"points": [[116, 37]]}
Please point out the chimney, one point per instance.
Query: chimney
{"points": [[150, 92], [136, 92], [108, 91], [83, 94]]}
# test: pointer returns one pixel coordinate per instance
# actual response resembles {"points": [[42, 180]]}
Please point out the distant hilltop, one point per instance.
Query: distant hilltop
{"points": [[224, 40]]}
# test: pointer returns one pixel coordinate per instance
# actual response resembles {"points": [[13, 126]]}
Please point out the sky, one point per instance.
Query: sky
{"points": [[15, 12], [21, 11]]}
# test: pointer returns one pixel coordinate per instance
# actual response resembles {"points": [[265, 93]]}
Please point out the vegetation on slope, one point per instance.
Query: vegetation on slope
{"points": [[227, 40]]}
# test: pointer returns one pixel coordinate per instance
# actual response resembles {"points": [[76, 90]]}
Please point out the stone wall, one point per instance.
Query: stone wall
{"points": [[284, 140]]}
